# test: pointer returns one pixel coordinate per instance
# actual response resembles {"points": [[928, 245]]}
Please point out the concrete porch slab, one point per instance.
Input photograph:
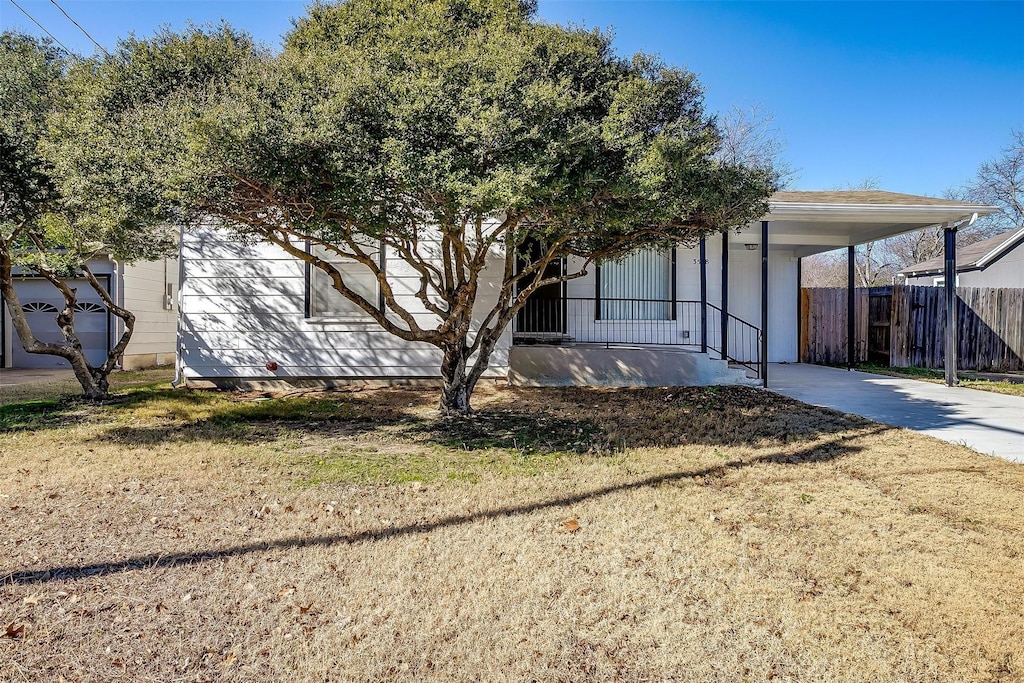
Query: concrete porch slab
{"points": [[989, 423]]}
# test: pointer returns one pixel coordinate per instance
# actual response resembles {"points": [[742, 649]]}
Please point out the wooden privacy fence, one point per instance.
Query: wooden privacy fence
{"points": [[905, 326]]}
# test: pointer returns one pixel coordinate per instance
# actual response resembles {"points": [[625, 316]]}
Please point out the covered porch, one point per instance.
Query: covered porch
{"points": [[732, 299]]}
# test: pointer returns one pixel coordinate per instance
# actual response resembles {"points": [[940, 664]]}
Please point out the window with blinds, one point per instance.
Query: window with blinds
{"points": [[327, 302], [637, 286]]}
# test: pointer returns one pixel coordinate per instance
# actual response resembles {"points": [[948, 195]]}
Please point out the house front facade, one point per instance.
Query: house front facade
{"points": [[713, 312]]}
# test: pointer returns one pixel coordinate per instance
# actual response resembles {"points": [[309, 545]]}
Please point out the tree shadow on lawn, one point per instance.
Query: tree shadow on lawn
{"points": [[523, 421], [153, 416], [811, 454]]}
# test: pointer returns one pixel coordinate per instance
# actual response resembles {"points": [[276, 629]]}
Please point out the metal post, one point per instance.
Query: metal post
{"points": [[764, 303], [703, 296], [851, 312], [725, 295], [950, 291], [799, 306]]}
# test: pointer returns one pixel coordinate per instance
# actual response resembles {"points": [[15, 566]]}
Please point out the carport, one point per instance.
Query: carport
{"points": [[989, 423], [813, 222]]}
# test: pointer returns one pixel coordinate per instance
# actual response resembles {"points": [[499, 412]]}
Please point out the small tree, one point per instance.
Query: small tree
{"points": [[453, 133], [58, 208]]}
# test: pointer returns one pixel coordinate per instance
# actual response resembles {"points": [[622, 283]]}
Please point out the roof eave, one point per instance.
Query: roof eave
{"points": [[1008, 244], [926, 214]]}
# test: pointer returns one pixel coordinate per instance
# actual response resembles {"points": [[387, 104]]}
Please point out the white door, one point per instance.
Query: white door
{"points": [[41, 302]]}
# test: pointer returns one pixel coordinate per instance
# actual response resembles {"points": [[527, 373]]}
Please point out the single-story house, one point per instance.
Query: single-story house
{"points": [[713, 313], [147, 289], [995, 262]]}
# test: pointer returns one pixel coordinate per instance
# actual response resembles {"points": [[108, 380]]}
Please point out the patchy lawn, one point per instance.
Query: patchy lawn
{"points": [[683, 534], [969, 380]]}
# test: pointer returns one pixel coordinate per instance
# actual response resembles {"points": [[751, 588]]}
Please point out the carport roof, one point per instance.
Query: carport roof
{"points": [[811, 222]]}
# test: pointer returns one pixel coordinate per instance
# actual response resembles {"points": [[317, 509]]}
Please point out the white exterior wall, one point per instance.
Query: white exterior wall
{"points": [[243, 305], [144, 291], [744, 303]]}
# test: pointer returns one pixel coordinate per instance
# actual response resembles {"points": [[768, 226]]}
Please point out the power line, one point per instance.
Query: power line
{"points": [[102, 49], [43, 28]]}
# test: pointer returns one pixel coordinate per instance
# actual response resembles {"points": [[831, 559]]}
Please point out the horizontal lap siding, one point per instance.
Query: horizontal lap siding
{"points": [[243, 305]]}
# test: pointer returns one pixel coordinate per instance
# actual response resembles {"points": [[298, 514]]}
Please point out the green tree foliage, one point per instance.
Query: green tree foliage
{"points": [[452, 132], [67, 194]]}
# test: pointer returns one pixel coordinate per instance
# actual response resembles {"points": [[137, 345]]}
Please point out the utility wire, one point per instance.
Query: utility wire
{"points": [[43, 28], [62, 10]]}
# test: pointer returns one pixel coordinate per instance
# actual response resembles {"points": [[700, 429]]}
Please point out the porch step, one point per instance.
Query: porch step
{"points": [[619, 366]]}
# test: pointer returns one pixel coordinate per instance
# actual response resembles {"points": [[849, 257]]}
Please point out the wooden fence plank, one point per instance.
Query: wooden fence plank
{"points": [[990, 327]]}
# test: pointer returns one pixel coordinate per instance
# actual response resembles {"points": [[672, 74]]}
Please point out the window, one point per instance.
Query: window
{"points": [[327, 302], [638, 286]]}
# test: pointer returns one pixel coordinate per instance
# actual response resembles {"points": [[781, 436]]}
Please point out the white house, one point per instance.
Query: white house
{"points": [[995, 262], [251, 313], [147, 289]]}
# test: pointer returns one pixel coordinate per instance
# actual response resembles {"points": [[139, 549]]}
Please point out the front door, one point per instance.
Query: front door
{"points": [[544, 312]]}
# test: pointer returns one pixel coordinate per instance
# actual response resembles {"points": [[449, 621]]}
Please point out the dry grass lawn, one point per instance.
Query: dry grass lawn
{"points": [[968, 379], [563, 535]]}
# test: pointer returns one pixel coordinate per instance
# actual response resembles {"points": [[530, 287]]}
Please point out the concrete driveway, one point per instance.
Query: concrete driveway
{"points": [[987, 422], [10, 377]]}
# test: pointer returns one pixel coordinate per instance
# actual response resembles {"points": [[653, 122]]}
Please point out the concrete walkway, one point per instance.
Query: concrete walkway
{"points": [[987, 422]]}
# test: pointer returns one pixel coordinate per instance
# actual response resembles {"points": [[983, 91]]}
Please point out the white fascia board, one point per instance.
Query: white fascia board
{"points": [[874, 213], [1002, 248]]}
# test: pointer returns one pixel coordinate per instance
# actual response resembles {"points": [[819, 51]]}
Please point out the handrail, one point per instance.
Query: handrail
{"points": [[734, 317], [748, 332]]}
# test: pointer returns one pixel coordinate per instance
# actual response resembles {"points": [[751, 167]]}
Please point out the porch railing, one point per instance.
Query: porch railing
{"points": [[638, 322], [742, 338]]}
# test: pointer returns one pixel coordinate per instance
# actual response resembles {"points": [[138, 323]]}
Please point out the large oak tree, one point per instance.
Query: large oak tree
{"points": [[452, 132]]}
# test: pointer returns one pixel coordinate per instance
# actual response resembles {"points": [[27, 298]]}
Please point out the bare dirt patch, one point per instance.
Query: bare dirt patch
{"points": [[683, 534]]}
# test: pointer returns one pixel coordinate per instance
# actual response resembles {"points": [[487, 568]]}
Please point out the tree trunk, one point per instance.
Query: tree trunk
{"points": [[94, 381], [456, 389]]}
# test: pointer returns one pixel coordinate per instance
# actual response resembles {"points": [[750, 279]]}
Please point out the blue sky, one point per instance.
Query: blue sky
{"points": [[914, 94]]}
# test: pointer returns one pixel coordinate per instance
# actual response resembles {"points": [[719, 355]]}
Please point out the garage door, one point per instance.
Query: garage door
{"points": [[42, 302]]}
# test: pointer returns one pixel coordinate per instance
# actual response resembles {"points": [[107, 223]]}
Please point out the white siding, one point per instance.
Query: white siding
{"points": [[145, 287], [243, 305], [1006, 271]]}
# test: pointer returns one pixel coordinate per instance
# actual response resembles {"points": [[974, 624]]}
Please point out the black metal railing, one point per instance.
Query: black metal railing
{"points": [[742, 339], [639, 322]]}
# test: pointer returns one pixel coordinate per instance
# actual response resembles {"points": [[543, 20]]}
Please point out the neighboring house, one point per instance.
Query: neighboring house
{"points": [[147, 289], [995, 262], [653, 318]]}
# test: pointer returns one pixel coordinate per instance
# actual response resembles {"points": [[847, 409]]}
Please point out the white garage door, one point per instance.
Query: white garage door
{"points": [[42, 302]]}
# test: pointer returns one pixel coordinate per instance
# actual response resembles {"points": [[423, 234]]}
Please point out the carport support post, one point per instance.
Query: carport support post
{"points": [[851, 351], [725, 295], [950, 291], [764, 303], [703, 295]]}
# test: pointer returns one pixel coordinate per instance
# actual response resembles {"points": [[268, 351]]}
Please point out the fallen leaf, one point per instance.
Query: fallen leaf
{"points": [[230, 659], [303, 610], [572, 525], [32, 599], [14, 631]]}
